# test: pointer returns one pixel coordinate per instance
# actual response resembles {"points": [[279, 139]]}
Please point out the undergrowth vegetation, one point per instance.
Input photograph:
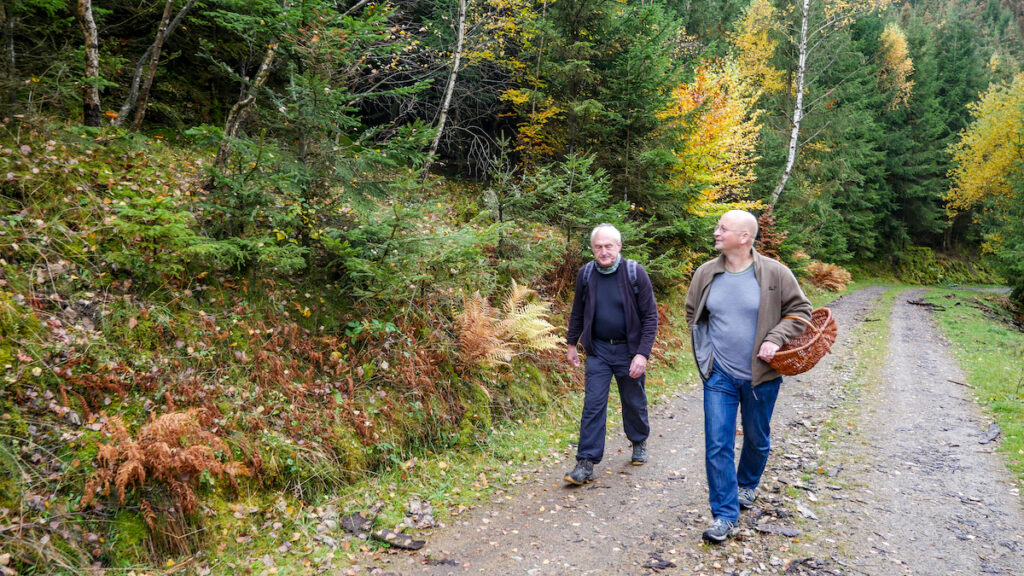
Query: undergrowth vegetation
{"points": [[157, 340]]}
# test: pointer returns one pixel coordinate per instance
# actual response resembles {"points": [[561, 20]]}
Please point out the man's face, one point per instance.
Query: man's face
{"points": [[728, 234], [606, 248]]}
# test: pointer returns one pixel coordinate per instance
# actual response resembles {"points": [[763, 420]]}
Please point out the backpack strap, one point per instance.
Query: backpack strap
{"points": [[631, 268], [588, 269]]}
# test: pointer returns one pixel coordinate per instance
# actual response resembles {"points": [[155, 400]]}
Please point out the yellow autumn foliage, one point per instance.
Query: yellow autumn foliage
{"points": [[754, 46], [718, 151], [839, 13], [991, 149], [895, 65]]}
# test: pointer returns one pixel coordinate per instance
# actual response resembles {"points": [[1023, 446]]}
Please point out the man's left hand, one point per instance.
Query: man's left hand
{"points": [[767, 351], [638, 366]]}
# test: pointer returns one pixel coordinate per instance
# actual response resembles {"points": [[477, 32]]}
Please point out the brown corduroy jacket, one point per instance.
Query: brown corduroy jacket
{"points": [[780, 296]]}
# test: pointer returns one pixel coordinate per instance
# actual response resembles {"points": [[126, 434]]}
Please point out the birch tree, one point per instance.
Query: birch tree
{"points": [[90, 83], [450, 87], [815, 22], [241, 108]]}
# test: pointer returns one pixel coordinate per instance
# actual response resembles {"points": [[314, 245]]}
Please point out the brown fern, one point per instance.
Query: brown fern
{"points": [[172, 451], [479, 334], [525, 324], [828, 276], [487, 336]]}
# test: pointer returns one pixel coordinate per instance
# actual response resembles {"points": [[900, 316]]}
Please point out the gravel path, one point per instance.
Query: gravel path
{"points": [[907, 490], [934, 498]]}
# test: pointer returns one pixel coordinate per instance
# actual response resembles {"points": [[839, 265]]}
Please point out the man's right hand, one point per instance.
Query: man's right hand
{"points": [[572, 356]]}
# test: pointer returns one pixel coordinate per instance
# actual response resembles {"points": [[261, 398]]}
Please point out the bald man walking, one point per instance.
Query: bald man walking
{"points": [[735, 309]]}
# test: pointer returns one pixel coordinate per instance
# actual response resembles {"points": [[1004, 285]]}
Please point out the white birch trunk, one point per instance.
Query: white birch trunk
{"points": [[91, 91], [450, 88], [158, 46], [798, 108], [140, 67], [238, 112]]}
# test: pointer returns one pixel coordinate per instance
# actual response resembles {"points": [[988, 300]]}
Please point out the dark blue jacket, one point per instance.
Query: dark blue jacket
{"points": [[641, 311]]}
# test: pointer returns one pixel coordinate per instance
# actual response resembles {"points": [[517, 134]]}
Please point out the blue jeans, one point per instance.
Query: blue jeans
{"points": [[605, 361], [722, 395]]}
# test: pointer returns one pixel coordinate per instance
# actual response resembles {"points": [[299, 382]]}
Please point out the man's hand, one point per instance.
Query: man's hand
{"points": [[637, 366], [572, 356], [767, 351]]}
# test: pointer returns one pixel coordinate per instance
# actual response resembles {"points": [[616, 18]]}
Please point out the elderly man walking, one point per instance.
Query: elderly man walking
{"points": [[736, 309], [615, 318]]}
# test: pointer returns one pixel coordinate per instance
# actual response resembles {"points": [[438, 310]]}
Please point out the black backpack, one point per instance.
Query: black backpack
{"points": [[630, 268]]}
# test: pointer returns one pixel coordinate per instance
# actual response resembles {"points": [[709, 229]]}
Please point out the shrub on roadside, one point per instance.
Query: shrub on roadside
{"points": [[173, 452], [827, 276]]}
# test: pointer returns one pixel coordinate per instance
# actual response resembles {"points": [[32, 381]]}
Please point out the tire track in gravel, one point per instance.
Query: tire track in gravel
{"points": [[927, 496], [635, 518]]}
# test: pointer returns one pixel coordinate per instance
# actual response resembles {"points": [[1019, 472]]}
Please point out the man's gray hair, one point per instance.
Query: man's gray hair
{"points": [[614, 231]]}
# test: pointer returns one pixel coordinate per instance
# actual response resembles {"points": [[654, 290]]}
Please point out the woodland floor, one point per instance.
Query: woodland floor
{"points": [[893, 476]]}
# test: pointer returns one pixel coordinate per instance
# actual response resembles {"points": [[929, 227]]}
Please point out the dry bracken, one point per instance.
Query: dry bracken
{"points": [[490, 336], [173, 450], [828, 276]]}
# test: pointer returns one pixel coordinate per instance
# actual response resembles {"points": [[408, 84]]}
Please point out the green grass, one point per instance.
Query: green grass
{"points": [[990, 350]]}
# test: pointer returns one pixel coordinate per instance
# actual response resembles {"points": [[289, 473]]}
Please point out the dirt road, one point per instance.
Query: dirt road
{"points": [[906, 488]]}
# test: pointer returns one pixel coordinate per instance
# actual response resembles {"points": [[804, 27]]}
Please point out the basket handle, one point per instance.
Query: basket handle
{"points": [[809, 323]]}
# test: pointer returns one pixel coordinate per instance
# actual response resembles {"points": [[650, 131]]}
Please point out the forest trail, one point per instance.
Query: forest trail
{"points": [[907, 489]]}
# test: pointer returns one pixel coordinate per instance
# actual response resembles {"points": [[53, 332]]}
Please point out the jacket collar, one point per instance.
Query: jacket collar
{"points": [[718, 264]]}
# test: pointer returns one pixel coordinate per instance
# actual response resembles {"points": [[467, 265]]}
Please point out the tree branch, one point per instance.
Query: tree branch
{"points": [[140, 66]]}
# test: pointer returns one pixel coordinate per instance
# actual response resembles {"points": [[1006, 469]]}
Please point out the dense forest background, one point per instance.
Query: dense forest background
{"points": [[672, 109], [319, 237]]}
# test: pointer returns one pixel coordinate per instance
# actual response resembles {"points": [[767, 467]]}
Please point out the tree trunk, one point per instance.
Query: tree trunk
{"points": [[798, 108], [140, 66], [158, 46], [90, 88], [7, 22], [241, 108], [450, 88]]}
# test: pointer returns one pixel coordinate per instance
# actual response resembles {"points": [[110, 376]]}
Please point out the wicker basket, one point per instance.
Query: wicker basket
{"points": [[801, 353]]}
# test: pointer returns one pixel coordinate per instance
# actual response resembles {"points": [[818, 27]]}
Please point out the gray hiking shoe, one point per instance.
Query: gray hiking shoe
{"points": [[582, 473], [639, 453], [721, 530], [747, 497]]}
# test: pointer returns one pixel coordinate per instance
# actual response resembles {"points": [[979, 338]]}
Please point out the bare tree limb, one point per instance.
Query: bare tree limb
{"points": [[7, 22], [140, 67], [158, 45], [358, 5], [241, 108]]}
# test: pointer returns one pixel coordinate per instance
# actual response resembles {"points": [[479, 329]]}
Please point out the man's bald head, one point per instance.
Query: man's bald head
{"points": [[742, 220]]}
